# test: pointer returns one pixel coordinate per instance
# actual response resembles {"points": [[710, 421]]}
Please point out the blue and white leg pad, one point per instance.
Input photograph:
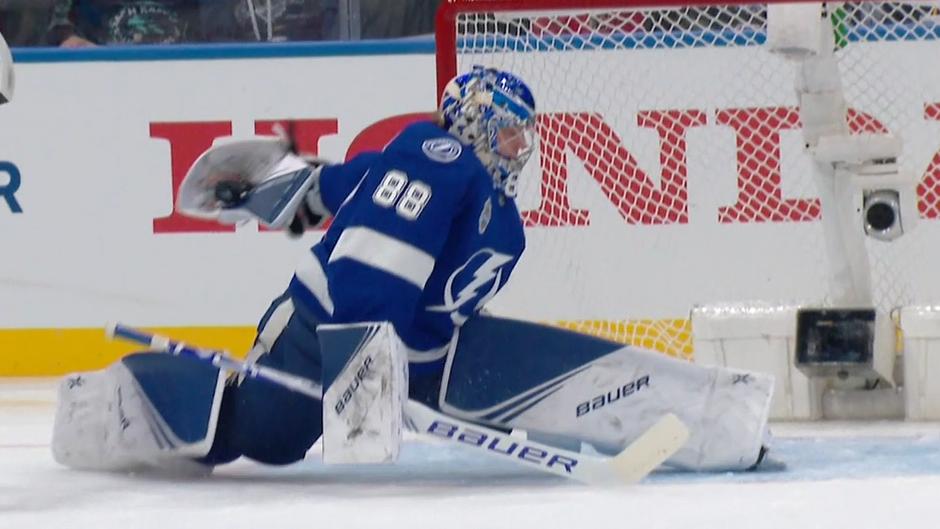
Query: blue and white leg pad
{"points": [[365, 385], [144, 411], [568, 386]]}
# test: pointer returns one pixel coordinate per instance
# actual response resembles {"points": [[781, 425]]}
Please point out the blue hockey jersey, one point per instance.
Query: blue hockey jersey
{"points": [[420, 237]]}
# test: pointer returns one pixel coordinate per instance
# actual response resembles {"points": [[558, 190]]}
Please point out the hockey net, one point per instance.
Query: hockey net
{"points": [[671, 171]]}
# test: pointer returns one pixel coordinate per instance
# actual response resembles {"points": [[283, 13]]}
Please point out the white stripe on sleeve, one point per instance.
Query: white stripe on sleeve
{"points": [[421, 357], [311, 274], [273, 328], [384, 253], [276, 323], [432, 355]]}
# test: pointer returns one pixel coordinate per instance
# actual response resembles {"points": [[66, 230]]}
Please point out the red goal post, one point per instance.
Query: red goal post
{"points": [[672, 170]]}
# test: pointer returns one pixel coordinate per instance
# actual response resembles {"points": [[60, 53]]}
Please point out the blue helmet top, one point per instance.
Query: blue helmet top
{"points": [[494, 112]]}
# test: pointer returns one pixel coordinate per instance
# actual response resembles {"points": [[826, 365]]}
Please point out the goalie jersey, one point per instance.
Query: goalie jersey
{"points": [[420, 237]]}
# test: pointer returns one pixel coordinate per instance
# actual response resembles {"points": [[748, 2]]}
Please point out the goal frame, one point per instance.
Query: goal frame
{"points": [[449, 10], [714, 329]]}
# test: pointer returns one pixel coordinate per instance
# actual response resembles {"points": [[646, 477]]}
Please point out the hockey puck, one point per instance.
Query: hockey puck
{"points": [[232, 192]]}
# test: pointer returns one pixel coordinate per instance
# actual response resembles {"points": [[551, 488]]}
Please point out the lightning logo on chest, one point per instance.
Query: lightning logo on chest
{"points": [[487, 271]]}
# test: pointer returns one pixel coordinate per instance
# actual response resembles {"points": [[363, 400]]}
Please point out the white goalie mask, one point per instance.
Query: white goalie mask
{"points": [[494, 112]]}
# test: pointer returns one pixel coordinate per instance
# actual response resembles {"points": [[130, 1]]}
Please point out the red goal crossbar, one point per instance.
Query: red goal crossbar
{"points": [[449, 10]]}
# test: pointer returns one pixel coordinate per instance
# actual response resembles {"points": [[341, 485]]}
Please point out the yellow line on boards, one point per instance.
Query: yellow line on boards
{"points": [[50, 352], [54, 352]]}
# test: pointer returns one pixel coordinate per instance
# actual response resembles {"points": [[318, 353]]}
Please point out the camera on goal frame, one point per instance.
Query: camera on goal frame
{"points": [[889, 203], [883, 214], [885, 196]]}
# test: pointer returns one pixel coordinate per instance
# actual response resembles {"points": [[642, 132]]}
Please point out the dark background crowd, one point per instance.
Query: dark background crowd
{"points": [[78, 23]]}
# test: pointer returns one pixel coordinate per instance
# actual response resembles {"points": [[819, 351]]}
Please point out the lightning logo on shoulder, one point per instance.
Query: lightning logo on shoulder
{"points": [[443, 150], [467, 281]]}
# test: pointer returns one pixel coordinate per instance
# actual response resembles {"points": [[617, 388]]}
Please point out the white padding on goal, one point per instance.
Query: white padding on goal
{"points": [[920, 326], [744, 320], [794, 30]]}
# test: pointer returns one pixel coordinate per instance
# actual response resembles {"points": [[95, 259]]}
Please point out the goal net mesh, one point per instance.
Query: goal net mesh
{"points": [[671, 170]]}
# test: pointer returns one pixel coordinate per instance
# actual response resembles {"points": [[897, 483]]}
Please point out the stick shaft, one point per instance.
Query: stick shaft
{"points": [[218, 359]]}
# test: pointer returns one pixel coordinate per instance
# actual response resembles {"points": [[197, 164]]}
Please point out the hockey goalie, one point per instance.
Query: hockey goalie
{"points": [[385, 309]]}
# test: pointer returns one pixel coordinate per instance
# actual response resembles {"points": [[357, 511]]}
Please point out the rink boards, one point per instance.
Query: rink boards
{"points": [[94, 148]]}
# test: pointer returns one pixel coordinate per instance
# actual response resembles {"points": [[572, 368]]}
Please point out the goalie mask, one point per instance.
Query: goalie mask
{"points": [[494, 112]]}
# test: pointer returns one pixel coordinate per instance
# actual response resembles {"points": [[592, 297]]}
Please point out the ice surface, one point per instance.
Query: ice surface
{"points": [[884, 475]]}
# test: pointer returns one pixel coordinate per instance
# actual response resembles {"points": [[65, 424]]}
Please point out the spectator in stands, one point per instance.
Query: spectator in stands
{"points": [[78, 23], [24, 22], [382, 19], [271, 20]]}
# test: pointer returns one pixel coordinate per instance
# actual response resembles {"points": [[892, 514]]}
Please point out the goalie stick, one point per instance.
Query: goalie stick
{"points": [[631, 465]]}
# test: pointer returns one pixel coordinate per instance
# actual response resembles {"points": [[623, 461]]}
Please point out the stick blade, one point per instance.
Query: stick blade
{"points": [[650, 450]]}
